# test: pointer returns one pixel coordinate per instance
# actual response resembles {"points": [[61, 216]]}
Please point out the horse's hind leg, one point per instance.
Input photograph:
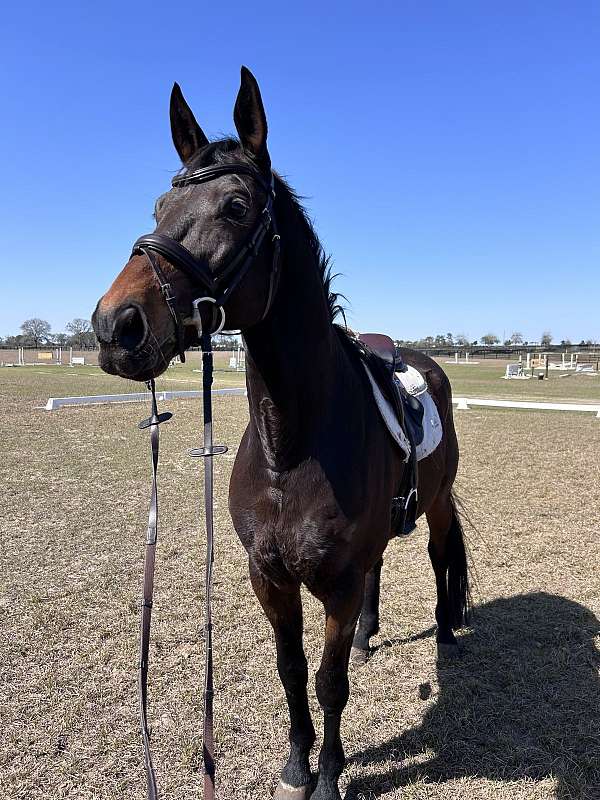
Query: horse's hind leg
{"points": [[449, 562], [368, 623], [284, 611]]}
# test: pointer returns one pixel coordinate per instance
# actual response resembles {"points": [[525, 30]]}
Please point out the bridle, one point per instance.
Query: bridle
{"points": [[218, 285]]}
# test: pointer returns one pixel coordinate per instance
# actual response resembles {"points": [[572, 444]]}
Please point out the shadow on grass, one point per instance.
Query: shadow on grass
{"points": [[522, 701]]}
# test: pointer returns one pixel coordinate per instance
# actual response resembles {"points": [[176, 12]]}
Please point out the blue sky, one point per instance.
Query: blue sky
{"points": [[448, 151]]}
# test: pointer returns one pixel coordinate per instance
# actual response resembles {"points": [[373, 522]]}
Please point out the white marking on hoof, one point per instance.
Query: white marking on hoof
{"points": [[286, 792]]}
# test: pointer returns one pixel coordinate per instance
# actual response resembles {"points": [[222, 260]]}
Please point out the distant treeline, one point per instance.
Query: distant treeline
{"points": [[37, 332], [502, 351], [449, 343], [80, 334]]}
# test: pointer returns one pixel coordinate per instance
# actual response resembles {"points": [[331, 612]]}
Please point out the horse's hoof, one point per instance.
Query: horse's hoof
{"points": [[359, 656], [286, 792], [448, 650], [326, 792]]}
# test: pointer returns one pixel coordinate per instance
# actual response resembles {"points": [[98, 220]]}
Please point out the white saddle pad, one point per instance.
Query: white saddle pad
{"points": [[415, 384]]}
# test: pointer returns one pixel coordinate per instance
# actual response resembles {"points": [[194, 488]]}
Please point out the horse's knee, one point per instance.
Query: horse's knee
{"points": [[333, 689], [293, 674]]}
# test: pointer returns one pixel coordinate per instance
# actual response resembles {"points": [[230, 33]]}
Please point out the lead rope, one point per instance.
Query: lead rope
{"points": [[207, 452]]}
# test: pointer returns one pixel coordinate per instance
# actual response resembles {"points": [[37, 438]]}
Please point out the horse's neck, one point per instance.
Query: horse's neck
{"points": [[291, 364]]}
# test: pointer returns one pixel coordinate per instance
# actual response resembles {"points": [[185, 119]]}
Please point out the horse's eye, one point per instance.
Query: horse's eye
{"points": [[237, 208]]}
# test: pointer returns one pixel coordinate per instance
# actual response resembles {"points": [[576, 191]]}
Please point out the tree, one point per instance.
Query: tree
{"points": [[516, 338], [546, 339], [225, 342], [82, 334], [60, 339], [489, 339], [15, 341], [461, 340], [36, 330], [450, 339]]}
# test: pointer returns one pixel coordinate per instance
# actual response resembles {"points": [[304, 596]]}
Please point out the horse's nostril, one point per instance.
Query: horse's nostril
{"points": [[129, 329]]}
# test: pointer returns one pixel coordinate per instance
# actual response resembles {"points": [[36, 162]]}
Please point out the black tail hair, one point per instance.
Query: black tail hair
{"points": [[459, 593]]}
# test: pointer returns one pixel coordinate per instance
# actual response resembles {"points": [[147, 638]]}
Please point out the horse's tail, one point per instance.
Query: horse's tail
{"points": [[459, 593]]}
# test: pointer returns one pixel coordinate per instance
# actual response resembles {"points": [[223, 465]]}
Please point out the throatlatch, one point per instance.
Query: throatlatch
{"points": [[207, 451]]}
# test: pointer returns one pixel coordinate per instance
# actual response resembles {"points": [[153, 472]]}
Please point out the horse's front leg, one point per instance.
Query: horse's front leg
{"points": [[342, 607], [283, 608]]}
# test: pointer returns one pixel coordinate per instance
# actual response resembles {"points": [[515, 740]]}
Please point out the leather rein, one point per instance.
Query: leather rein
{"points": [[217, 287]]}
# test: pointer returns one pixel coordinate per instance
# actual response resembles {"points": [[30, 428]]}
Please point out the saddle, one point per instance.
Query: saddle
{"points": [[379, 353]]}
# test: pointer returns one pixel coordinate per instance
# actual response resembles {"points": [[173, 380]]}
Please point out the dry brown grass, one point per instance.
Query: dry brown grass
{"points": [[517, 716]]}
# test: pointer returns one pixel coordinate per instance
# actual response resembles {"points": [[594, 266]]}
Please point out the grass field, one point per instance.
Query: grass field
{"points": [[516, 716], [38, 383], [485, 380]]}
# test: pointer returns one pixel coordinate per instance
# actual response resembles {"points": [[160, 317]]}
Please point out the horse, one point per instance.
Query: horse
{"points": [[316, 471]]}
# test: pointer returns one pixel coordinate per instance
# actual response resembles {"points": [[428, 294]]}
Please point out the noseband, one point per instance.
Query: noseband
{"points": [[216, 286]]}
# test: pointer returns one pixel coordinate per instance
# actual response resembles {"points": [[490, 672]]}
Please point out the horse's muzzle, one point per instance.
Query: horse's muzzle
{"points": [[125, 327]]}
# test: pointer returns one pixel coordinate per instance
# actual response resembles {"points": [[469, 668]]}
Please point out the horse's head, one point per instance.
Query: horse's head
{"points": [[214, 237]]}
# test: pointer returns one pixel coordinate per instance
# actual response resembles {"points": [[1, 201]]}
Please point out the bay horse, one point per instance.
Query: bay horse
{"points": [[316, 470]]}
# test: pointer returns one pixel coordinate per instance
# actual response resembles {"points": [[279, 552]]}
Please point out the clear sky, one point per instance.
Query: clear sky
{"points": [[449, 151]]}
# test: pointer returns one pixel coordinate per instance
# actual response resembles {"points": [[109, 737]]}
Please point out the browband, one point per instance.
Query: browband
{"points": [[216, 170]]}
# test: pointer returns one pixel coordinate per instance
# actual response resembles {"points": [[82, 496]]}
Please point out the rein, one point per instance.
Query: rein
{"points": [[207, 452], [216, 286]]}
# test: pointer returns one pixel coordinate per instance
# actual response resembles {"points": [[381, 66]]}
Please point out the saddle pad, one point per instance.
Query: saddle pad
{"points": [[412, 380], [389, 416], [415, 384]]}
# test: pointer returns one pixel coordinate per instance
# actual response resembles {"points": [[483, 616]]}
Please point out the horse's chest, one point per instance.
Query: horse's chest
{"points": [[291, 527]]}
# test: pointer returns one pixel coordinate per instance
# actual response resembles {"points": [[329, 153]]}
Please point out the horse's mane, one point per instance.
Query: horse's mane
{"points": [[220, 151]]}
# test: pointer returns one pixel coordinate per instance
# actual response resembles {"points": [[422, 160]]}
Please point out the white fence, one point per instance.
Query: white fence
{"points": [[464, 403], [131, 397], [47, 356]]}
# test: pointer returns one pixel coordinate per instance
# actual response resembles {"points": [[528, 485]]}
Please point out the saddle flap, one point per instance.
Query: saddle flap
{"points": [[413, 417]]}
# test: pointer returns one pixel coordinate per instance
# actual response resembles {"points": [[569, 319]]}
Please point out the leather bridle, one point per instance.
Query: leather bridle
{"points": [[218, 285]]}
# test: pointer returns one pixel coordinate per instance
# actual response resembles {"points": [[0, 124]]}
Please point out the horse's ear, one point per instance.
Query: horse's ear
{"points": [[188, 136], [250, 120]]}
